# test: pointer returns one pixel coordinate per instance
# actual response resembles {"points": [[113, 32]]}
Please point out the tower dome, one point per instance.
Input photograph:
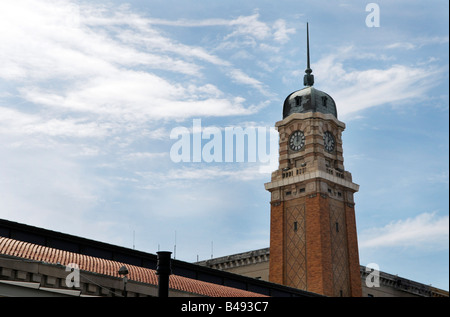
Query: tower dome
{"points": [[309, 99]]}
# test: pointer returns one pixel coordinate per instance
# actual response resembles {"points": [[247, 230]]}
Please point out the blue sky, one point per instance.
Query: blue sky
{"points": [[91, 90]]}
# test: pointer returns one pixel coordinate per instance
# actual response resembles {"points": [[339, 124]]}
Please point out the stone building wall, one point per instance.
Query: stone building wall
{"points": [[256, 264]]}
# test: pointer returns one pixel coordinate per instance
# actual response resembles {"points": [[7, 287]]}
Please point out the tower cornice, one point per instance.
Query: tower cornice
{"points": [[309, 115], [318, 174]]}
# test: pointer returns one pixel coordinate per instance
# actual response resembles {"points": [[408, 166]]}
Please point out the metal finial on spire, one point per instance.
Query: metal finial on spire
{"points": [[308, 79]]}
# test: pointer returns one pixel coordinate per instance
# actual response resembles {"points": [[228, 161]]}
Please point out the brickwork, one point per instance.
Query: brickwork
{"points": [[353, 254], [252, 264], [339, 249], [276, 265], [295, 244], [319, 266], [314, 245]]}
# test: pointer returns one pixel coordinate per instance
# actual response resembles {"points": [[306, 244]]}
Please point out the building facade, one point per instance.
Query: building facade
{"points": [[255, 264], [39, 262]]}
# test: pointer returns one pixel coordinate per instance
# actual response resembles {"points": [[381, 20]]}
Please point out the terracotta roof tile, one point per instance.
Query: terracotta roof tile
{"points": [[107, 267]]}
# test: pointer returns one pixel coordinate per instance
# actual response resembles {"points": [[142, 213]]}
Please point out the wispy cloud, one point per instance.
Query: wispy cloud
{"points": [[425, 231], [137, 96], [145, 155], [282, 32], [16, 123], [441, 178], [204, 173], [88, 60], [358, 89], [418, 43], [240, 77], [242, 26]]}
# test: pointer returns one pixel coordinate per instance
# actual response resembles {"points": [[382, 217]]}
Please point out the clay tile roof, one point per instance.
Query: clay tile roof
{"points": [[40, 253]]}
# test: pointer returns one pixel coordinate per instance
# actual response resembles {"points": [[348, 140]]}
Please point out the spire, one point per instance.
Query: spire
{"points": [[308, 79]]}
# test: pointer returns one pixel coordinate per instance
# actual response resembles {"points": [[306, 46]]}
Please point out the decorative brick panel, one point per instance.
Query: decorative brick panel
{"points": [[339, 249], [295, 225], [319, 265], [276, 262], [353, 253]]}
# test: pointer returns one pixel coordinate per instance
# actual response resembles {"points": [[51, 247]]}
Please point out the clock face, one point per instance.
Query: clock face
{"points": [[297, 140], [328, 141]]}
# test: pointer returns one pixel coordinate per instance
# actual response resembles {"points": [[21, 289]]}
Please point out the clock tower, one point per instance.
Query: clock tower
{"points": [[313, 239]]}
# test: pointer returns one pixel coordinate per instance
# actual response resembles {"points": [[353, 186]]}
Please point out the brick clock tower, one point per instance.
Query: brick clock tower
{"points": [[313, 240]]}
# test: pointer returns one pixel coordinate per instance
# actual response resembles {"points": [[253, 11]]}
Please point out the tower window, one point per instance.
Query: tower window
{"points": [[324, 101], [298, 100], [302, 190], [337, 226], [295, 225]]}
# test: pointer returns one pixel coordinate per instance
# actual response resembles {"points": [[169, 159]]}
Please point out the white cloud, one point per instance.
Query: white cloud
{"points": [[157, 134], [419, 42], [281, 33], [41, 44], [242, 26], [441, 178], [13, 122], [145, 155], [240, 77], [250, 26], [355, 89], [138, 96], [427, 230], [98, 64], [204, 173], [402, 45]]}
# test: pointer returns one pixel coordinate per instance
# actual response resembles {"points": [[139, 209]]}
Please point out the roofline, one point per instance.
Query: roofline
{"points": [[71, 243], [401, 283]]}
